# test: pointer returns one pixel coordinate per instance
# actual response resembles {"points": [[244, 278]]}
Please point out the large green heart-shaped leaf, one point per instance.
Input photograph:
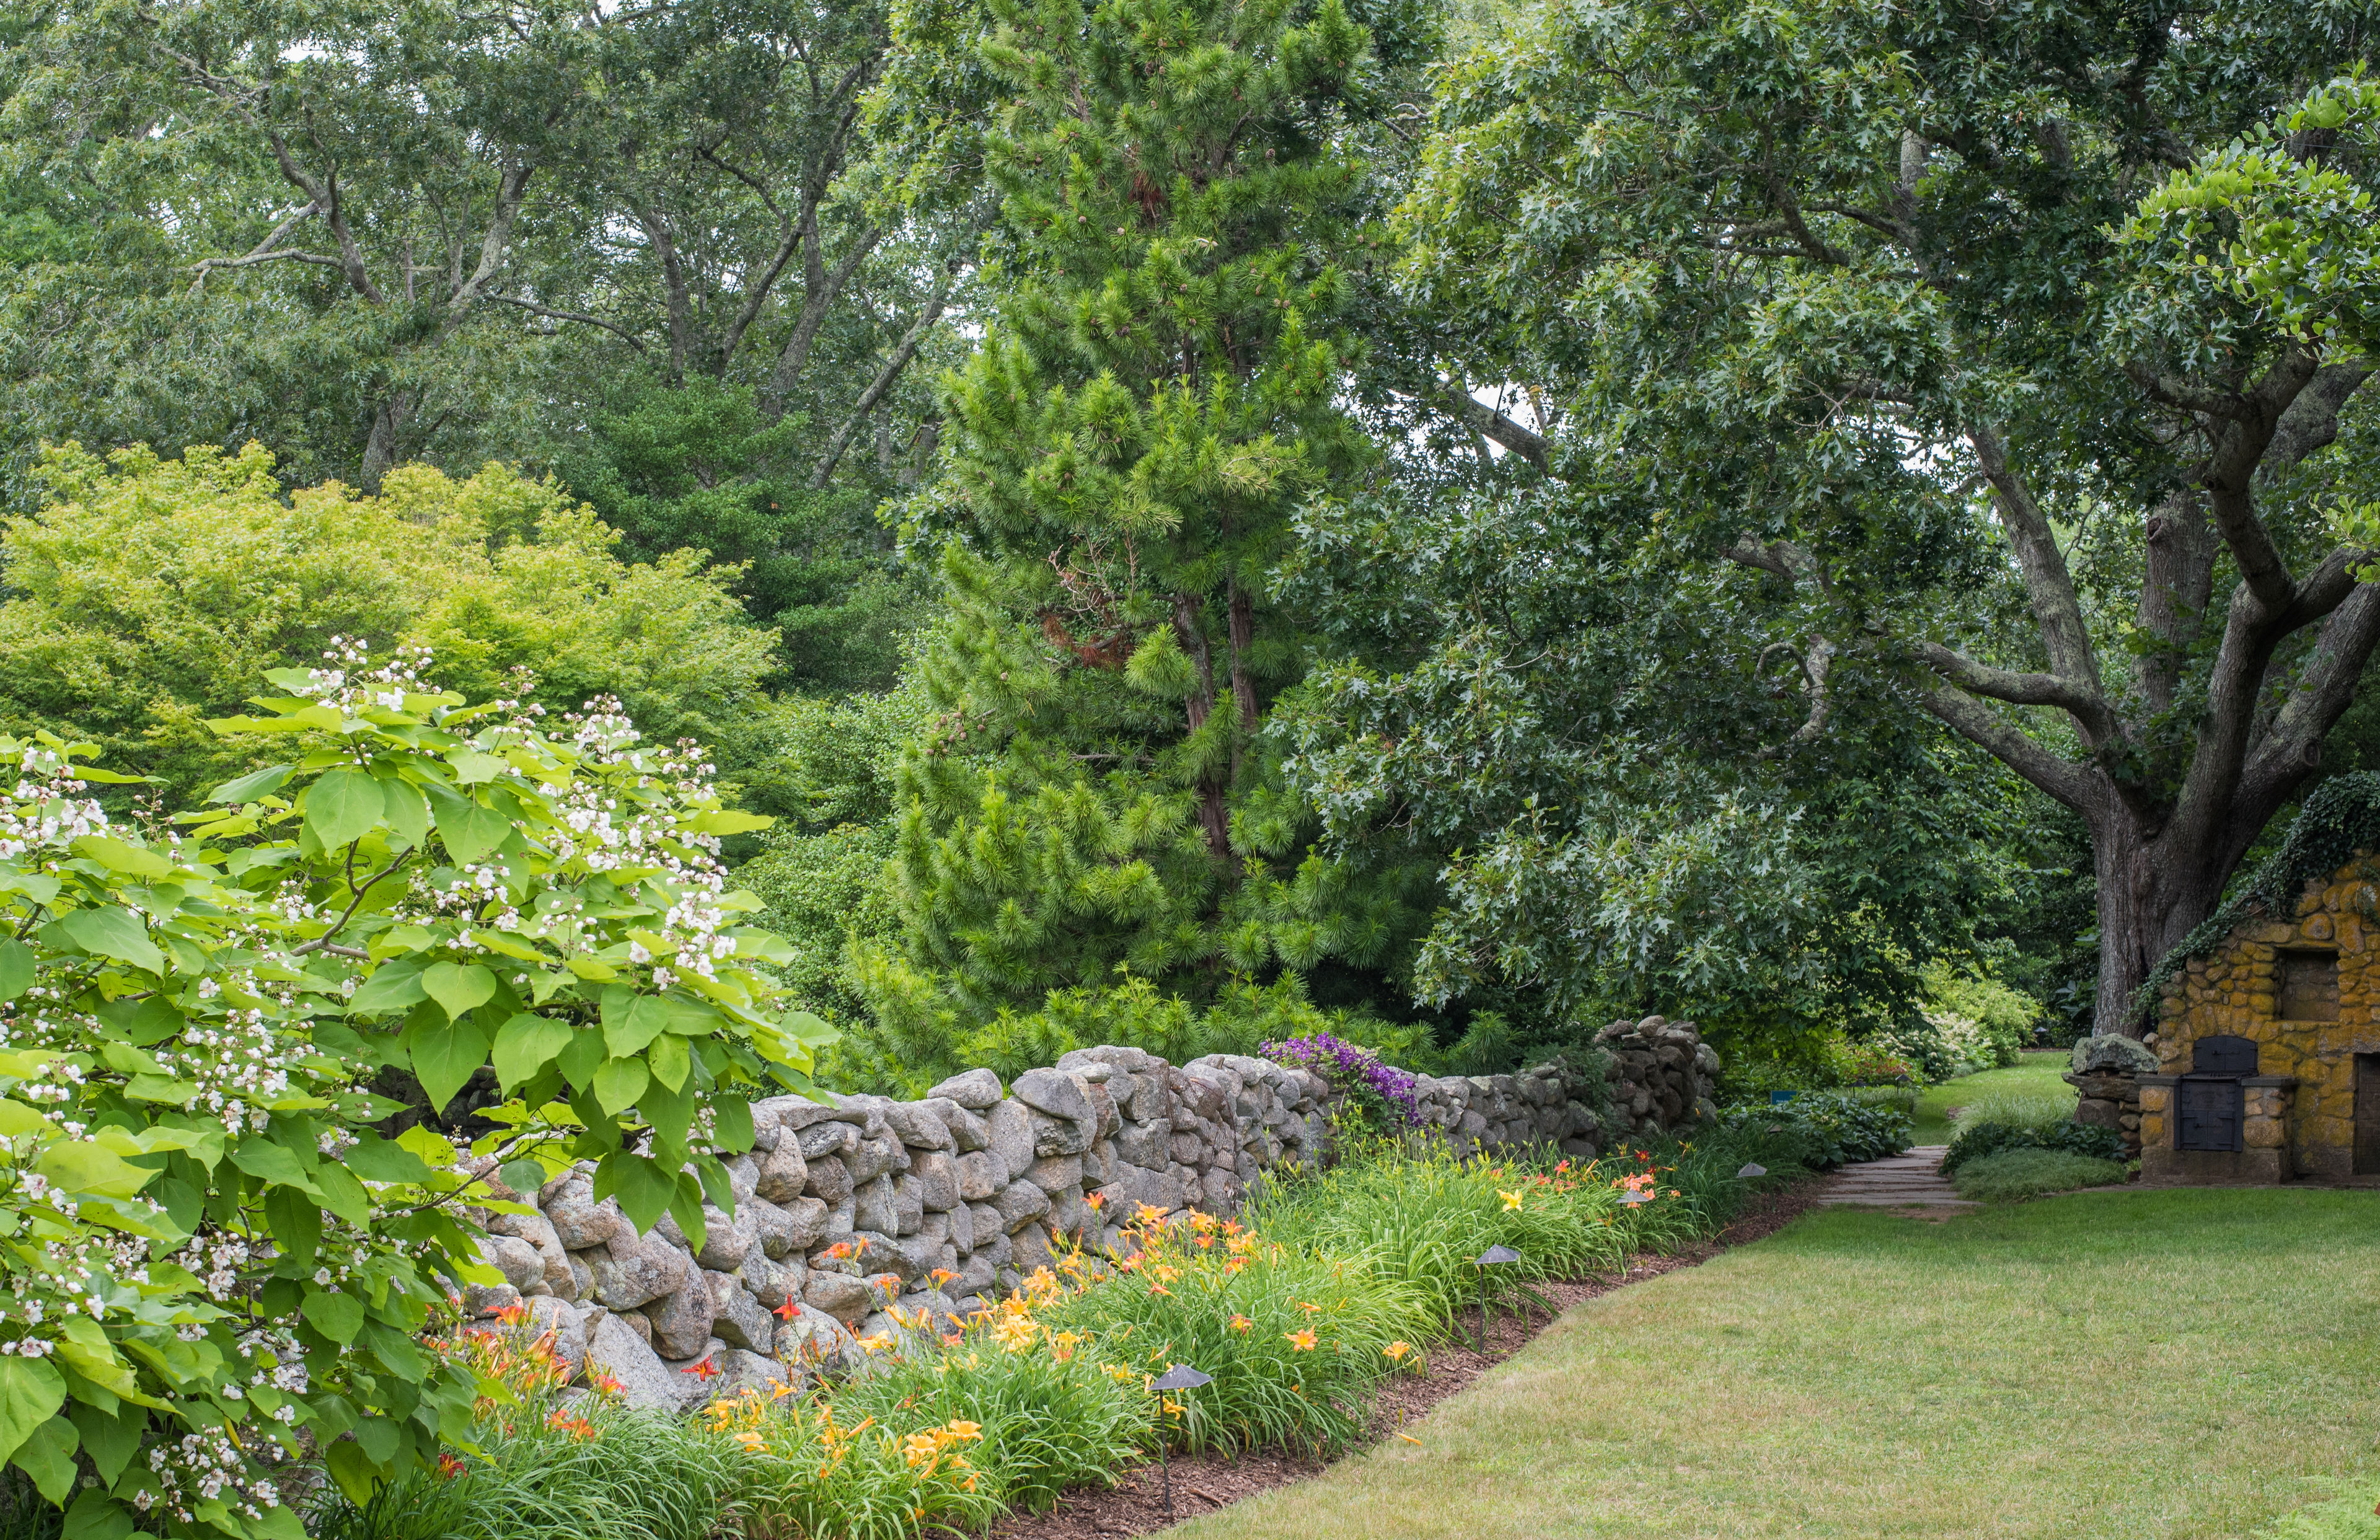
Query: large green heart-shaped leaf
{"points": [[469, 831], [643, 1188], [378, 1159], [47, 1455], [668, 1061], [458, 987], [526, 1044], [31, 1393], [394, 986], [446, 1055], [104, 930], [638, 1021], [120, 856], [337, 1316], [619, 1083], [16, 969], [343, 806]]}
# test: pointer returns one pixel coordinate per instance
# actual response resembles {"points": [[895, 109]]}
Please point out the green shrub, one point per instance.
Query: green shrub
{"points": [[1897, 1098], [1824, 1130], [2028, 1172], [2036, 1110], [1985, 1137]]}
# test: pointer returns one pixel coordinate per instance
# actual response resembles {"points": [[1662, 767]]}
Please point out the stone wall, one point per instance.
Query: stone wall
{"points": [[2106, 1078], [849, 1205]]}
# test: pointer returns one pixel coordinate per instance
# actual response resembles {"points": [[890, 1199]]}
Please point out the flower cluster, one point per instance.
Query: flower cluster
{"points": [[1353, 1072]]}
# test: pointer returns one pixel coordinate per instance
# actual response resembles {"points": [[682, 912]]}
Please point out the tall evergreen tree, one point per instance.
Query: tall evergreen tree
{"points": [[1157, 394]]}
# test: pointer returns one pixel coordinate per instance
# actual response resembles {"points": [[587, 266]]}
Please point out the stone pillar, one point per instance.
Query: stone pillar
{"points": [[2264, 1130]]}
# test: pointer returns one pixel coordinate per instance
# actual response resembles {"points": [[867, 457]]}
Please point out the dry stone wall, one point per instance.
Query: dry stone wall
{"points": [[850, 1204]]}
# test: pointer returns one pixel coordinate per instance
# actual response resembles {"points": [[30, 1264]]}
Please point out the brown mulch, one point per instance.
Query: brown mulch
{"points": [[1202, 1483]]}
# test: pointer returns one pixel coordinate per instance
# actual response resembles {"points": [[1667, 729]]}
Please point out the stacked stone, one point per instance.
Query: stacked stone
{"points": [[850, 1204], [1662, 1075], [2105, 1076], [1542, 1105]]}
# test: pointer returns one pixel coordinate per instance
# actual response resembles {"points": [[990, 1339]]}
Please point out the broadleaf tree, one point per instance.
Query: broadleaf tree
{"points": [[216, 1258], [1845, 295]]}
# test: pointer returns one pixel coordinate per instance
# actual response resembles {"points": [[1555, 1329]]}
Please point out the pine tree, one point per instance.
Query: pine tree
{"points": [[1156, 395]]}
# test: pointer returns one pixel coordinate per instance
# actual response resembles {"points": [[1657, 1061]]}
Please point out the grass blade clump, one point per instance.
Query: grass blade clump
{"points": [[1052, 1415], [2026, 1172], [549, 1464], [1295, 1340]]}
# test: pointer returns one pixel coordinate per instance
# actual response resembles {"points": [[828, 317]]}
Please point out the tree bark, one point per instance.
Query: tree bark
{"points": [[1214, 817], [1244, 690]]}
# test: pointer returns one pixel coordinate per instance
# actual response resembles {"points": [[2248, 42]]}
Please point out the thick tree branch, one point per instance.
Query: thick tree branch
{"points": [[2229, 474], [2017, 689], [2292, 748], [509, 190], [901, 354], [2057, 613], [2069, 784], [1486, 420], [581, 317]]}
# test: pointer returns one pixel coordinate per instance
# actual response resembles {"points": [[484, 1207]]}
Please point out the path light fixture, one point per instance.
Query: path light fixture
{"points": [[1631, 1198], [1751, 1171], [1182, 1377], [1494, 1256]]}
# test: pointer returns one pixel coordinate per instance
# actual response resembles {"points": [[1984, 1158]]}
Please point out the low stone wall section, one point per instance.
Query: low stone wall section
{"points": [[852, 1204]]}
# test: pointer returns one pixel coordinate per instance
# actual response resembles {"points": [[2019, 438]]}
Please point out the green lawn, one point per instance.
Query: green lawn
{"points": [[2037, 1074], [2133, 1364]]}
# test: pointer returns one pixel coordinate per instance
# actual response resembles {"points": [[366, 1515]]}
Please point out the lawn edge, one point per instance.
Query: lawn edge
{"points": [[1203, 1485]]}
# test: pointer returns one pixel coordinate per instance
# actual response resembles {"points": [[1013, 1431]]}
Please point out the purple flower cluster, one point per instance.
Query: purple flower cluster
{"points": [[1352, 1070]]}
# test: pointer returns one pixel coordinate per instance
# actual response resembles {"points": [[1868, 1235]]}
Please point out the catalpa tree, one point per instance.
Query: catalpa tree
{"points": [[212, 1251]]}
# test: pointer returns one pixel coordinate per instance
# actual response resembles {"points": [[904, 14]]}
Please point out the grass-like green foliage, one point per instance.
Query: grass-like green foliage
{"points": [[1985, 1140], [2023, 1107], [1859, 1376], [2026, 1172], [1295, 1338], [1338, 1279], [1048, 1422], [2346, 1518], [634, 1475], [2038, 1073]]}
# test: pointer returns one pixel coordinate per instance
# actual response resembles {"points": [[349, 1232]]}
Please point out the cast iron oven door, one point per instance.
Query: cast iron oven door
{"points": [[2212, 1106]]}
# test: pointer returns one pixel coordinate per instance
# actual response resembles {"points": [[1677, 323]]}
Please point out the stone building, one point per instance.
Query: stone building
{"points": [[2268, 1047]]}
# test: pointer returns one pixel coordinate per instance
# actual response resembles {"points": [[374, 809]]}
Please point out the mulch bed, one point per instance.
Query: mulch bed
{"points": [[1136, 1505]]}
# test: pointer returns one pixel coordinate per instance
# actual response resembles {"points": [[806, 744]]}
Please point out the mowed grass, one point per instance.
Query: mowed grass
{"points": [[2036, 1075], [2142, 1365]]}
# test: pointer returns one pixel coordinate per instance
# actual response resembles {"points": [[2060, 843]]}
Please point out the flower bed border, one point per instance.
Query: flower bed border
{"points": [[1204, 1484]]}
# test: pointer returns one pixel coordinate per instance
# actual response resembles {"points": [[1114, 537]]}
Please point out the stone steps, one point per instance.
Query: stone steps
{"points": [[1907, 1181]]}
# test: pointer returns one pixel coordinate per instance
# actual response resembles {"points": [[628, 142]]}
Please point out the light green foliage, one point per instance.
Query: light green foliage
{"points": [[2348, 1517], [211, 1252], [2015, 1174], [152, 593]]}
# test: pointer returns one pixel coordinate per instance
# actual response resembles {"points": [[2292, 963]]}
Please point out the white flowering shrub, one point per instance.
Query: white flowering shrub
{"points": [[212, 1262]]}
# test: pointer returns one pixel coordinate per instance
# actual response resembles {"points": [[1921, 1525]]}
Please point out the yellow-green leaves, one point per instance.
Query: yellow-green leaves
{"points": [[343, 806], [104, 930], [458, 987]]}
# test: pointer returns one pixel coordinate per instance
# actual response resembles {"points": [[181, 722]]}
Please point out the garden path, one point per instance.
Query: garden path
{"points": [[1907, 1181]]}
